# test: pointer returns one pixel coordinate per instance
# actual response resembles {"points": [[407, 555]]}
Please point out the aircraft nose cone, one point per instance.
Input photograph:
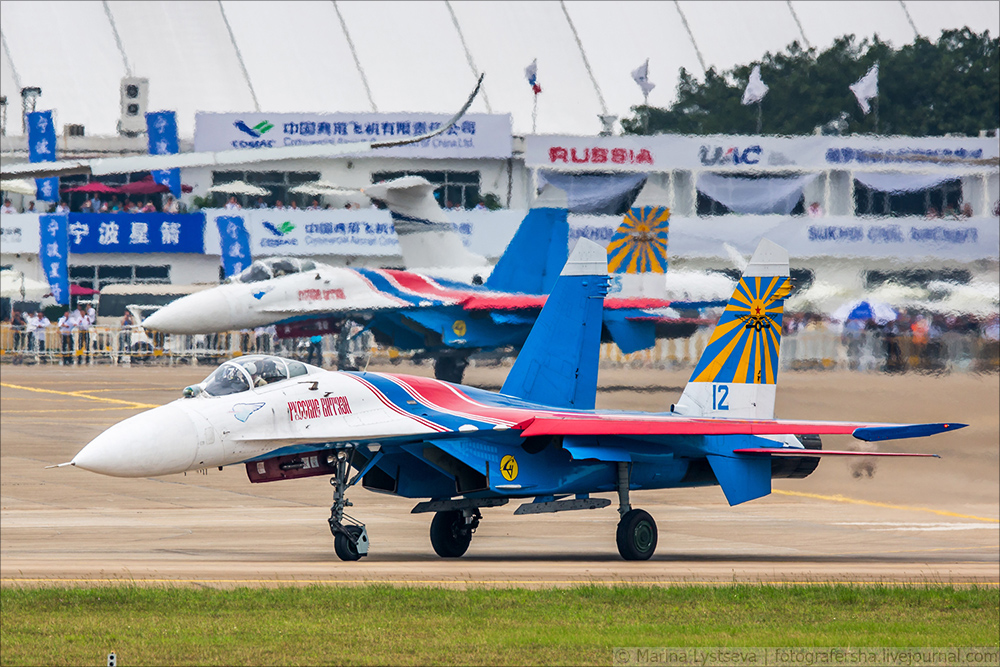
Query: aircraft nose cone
{"points": [[201, 312], [161, 441]]}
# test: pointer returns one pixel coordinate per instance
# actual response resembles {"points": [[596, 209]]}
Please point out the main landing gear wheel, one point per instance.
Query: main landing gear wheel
{"points": [[636, 535], [451, 533], [346, 546]]}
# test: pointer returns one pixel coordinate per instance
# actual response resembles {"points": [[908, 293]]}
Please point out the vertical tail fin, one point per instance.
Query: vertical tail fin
{"points": [[426, 236], [637, 253], [535, 256], [736, 374], [557, 365]]}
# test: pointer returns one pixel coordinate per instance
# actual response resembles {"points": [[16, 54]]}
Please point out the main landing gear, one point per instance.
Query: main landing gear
{"points": [[451, 531], [350, 540], [636, 534]]}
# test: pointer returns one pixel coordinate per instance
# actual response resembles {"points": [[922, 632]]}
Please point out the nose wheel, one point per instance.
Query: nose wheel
{"points": [[350, 540]]}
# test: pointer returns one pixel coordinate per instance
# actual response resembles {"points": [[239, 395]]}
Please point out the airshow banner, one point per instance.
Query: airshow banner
{"points": [[54, 254], [898, 238], [42, 148], [161, 128], [473, 136], [136, 232], [749, 153], [234, 244], [364, 232], [19, 233]]}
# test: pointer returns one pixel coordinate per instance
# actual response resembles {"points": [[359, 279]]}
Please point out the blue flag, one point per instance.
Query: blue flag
{"points": [[54, 253], [161, 128], [235, 243], [42, 148]]}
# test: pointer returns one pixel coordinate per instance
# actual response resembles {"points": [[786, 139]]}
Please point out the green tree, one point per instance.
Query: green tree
{"points": [[925, 89]]}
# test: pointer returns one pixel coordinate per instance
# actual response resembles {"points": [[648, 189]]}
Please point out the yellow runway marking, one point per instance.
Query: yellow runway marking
{"points": [[844, 499], [75, 410], [79, 394], [506, 582]]}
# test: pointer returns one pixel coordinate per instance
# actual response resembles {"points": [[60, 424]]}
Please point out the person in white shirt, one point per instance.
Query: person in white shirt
{"points": [[62, 207], [232, 204], [65, 325], [7, 208], [82, 325]]}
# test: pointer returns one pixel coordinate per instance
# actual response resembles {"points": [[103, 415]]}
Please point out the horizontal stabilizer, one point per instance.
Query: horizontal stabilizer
{"points": [[874, 433], [794, 451], [630, 335], [742, 479]]}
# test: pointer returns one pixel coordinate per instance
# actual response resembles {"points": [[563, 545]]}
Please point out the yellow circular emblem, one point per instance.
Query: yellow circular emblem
{"points": [[508, 468], [459, 327]]}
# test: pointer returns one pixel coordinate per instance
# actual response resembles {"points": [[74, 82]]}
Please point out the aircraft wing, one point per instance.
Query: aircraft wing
{"points": [[124, 165], [627, 425]]}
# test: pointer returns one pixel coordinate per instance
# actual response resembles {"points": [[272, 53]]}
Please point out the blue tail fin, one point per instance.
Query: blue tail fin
{"points": [[558, 364], [537, 253]]}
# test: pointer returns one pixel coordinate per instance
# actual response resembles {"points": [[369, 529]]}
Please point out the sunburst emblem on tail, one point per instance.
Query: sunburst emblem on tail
{"points": [[640, 243], [744, 346]]}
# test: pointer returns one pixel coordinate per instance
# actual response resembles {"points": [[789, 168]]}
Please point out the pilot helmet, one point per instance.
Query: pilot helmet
{"points": [[250, 367]]}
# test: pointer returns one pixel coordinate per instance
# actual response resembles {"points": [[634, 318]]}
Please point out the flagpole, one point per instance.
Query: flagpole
{"points": [[758, 115], [875, 109], [534, 114]]}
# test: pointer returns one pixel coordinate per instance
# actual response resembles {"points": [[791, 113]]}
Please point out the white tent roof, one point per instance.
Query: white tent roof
{"points": [[298, 58]]}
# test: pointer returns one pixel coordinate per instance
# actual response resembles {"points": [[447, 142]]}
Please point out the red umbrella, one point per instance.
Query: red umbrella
{"points": [[146, 186], [186, 188], [79, 290], [99, 188]]}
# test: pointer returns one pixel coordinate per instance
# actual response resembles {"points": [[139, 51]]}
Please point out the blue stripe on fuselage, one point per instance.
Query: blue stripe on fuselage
{"points": [[384, 285]]}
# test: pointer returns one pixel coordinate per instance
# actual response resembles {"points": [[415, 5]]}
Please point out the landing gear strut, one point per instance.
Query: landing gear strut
{"points": [[350, 541], [636, 535], [451, 531]]}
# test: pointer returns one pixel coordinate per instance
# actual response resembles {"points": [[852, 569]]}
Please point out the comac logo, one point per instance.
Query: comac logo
{"points": [[286, 228], [256, 131]]}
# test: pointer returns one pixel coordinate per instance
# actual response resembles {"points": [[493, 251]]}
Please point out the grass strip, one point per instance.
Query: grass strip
{"points": [[375, 625]]}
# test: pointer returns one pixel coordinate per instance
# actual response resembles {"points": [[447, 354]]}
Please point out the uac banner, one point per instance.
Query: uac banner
{"points": [[54, 254]]}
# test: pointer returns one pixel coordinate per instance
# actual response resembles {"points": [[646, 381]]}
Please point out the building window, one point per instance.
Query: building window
{"points": [[277, 182], [895, 197], [99, 276], [453, 189]]}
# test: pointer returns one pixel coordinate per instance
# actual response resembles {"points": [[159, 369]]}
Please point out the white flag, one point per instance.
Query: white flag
{"points": [[641, 76], [866, 88], [756, 88]]}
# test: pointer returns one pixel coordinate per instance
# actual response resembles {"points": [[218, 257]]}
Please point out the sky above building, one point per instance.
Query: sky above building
{"points": [[368, 56]]}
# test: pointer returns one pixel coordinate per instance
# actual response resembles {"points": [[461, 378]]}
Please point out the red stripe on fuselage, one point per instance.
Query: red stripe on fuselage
{"points": [[395, 408], [422, 285]]}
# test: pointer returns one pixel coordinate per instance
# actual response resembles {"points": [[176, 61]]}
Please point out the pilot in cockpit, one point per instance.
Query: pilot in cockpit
{"points": [[256, 376]]}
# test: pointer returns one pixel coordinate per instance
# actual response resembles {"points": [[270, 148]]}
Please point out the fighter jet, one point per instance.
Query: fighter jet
{"points": [[460, 449]]}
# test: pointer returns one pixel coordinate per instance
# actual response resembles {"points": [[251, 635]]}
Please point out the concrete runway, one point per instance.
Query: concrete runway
{"points": [[912, 520]]}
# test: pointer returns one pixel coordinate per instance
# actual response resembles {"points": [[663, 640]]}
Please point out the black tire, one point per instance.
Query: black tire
{"points": [[346, 548], [450, 369], [636, 535], [450, 536]]}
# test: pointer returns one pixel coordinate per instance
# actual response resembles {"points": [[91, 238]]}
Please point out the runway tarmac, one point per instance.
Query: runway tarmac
{"points": [[910, 521]]}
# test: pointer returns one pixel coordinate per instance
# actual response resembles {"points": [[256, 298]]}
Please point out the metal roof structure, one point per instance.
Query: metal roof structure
{"points": [[353, 56]]}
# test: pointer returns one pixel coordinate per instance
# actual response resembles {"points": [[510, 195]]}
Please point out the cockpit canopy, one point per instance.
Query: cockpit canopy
{"points": [[237, 375], [272, 267]]}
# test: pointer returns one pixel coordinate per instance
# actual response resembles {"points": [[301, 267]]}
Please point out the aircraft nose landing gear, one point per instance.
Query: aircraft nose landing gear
{"points": [[349, 541]]}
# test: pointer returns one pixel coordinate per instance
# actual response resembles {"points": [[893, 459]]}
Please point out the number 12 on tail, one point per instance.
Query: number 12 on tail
{"points": [[720, 393]]}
